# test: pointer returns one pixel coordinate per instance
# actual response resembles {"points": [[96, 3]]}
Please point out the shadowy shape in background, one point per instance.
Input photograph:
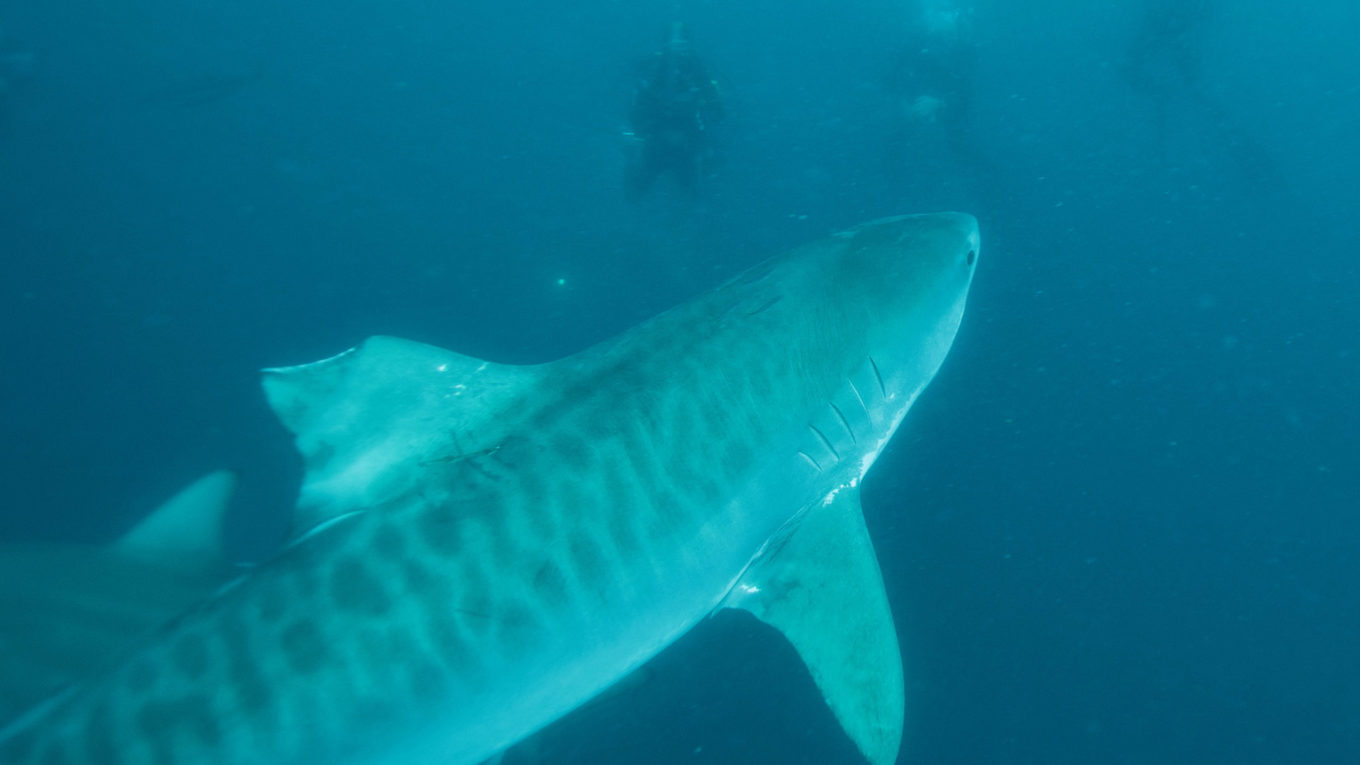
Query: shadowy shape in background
{"points": [[1165, 65], [931, 82], [675, 105]]}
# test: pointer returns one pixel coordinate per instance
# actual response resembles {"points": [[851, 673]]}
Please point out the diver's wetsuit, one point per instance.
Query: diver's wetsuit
{"points": [[674, 106]]}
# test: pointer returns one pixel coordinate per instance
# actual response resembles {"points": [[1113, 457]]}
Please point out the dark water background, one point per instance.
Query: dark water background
{"points": [[1121, 526]]}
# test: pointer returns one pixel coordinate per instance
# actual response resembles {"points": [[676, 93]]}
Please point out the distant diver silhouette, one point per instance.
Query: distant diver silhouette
{"points": [[931, 83], [932, 79], [1164, 63], [675, 105]]}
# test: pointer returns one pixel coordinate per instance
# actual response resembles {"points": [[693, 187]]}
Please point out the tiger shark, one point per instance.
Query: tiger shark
{"points": [[483, 547]]}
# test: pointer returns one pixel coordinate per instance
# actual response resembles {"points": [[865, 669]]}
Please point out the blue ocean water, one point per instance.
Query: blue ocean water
{"points": [[1119, 527]]}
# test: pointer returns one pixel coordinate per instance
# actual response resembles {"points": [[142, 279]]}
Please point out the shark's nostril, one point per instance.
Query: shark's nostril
{"points": [[972, 256]]}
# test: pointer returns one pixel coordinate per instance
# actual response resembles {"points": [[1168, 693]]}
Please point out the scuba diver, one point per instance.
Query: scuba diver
{"points": [[1163, 60], [935, 70], [1163, 64], [931, 84], [674, 106]]}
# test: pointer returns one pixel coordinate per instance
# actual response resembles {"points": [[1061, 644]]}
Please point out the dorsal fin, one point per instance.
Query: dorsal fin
{"points": [[822, 588], [365, 418], [186, 530], [67, 611]]}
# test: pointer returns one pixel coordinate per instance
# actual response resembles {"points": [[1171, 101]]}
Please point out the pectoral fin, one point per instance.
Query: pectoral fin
{"points": [[822, 588]]}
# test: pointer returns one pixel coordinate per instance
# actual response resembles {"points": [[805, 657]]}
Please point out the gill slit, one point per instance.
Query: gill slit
{"points": [[844, 422], [878, 376], [825, 442]]}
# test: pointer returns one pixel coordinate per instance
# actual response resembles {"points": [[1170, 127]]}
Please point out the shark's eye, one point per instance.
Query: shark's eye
{"points": [[972, 256]]}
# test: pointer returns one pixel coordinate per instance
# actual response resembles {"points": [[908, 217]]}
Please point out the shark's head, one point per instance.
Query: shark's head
{"points": [[901, 283]]}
